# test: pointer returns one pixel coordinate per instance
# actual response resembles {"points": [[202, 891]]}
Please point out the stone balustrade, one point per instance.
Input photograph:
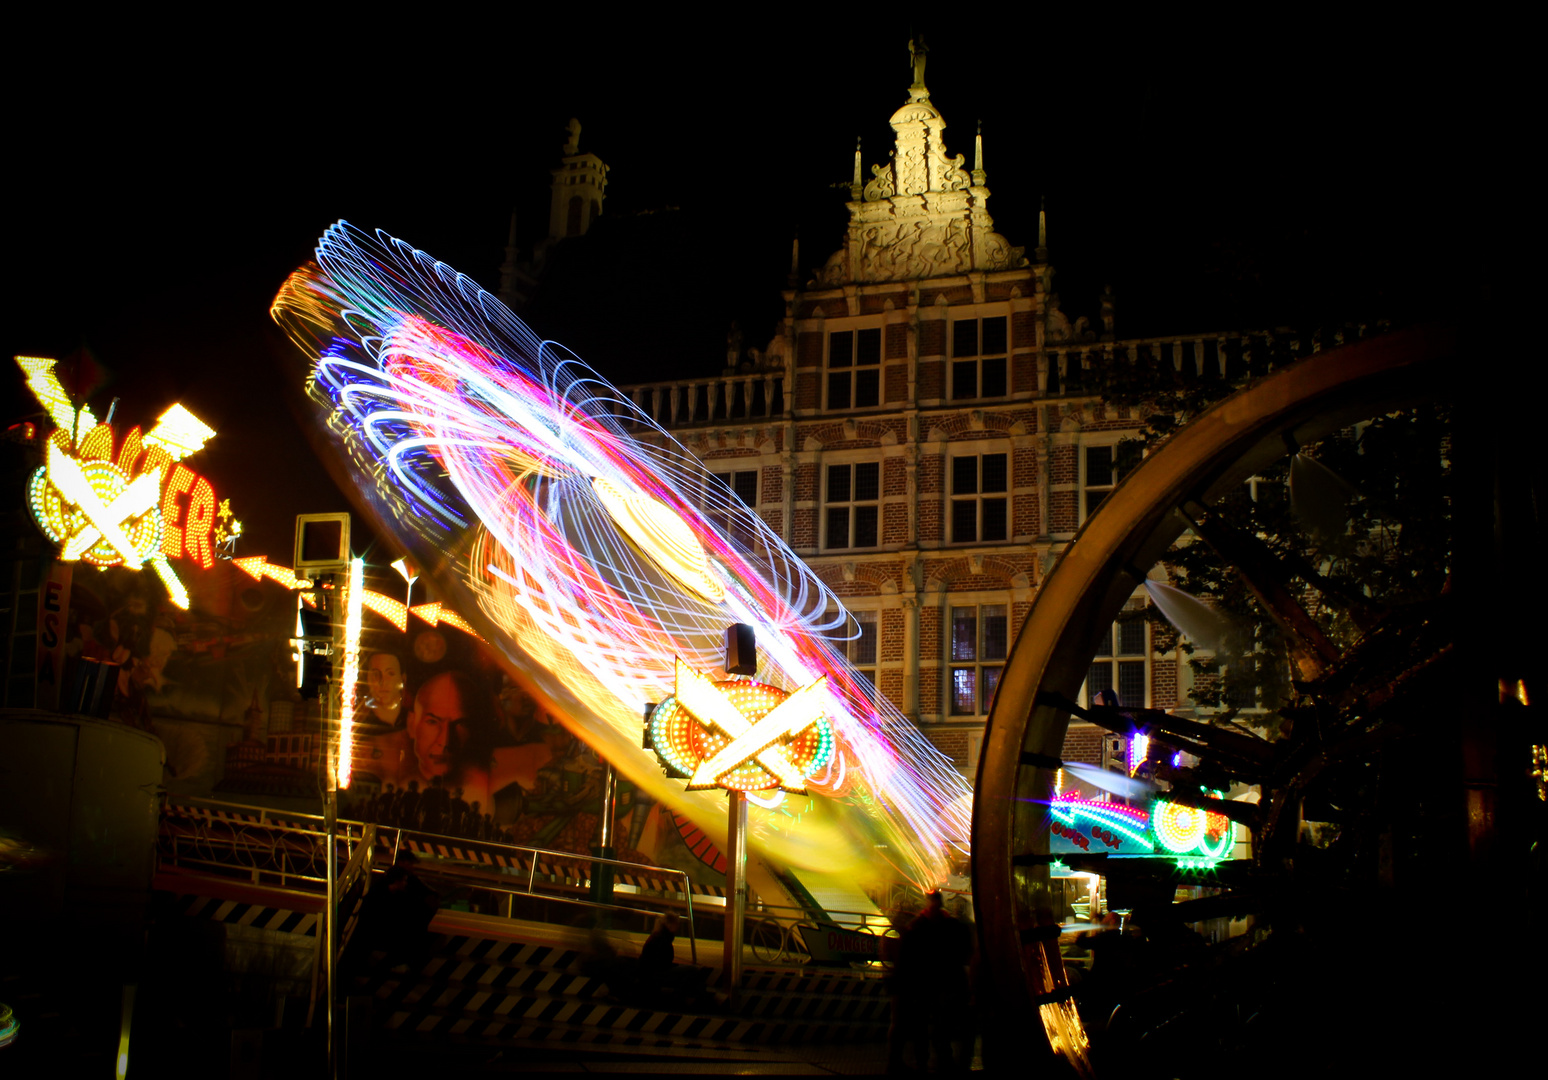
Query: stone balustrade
{"points": [[758, 395], [1198, 356]]}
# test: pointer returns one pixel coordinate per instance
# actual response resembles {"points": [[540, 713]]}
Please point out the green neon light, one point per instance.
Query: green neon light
{"points": [[1109, 822]]}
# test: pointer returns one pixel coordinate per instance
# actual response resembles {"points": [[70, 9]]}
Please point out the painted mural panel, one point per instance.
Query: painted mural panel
{"points": [[446, 741]]}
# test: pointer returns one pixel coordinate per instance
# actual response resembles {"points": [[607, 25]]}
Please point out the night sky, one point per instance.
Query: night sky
{"points": [[159, 193]]}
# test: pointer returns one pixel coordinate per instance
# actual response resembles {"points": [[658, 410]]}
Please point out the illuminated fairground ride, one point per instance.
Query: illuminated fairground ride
{"points": [[596, 558], [1392, 736]]}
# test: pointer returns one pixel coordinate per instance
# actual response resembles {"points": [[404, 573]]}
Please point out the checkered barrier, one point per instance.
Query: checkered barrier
{"points": [[264, 916], [489, 989], [480, 988]]}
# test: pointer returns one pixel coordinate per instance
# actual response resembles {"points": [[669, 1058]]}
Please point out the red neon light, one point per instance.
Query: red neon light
{"points": [[201, 519], [1112, 808], [171, 513]]}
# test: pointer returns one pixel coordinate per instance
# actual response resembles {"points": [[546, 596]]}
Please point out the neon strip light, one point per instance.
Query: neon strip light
{"points": [[353, 603], [1137, 818]]}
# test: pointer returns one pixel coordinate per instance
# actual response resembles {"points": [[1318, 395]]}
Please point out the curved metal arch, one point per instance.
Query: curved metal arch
{"points": [[1097, 574]]}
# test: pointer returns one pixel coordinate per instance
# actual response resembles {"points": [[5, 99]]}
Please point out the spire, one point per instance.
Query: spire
{"points": [[916, 58], [578, 190], [978, 157], [794, 279], [1042, 229], [855, 185], [509, 287]]}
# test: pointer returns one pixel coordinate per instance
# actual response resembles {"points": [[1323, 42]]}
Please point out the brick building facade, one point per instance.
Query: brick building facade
{"points": [[917, 430]]}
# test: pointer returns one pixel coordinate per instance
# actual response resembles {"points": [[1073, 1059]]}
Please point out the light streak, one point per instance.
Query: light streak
{"points": [[494, 457], [354, 596]]}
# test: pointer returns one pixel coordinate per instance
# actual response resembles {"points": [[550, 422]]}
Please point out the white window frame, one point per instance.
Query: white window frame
{"points": [[854, 366], [729, 479], [1085, 480], [1115, 658], [977, 315], [852, 504], [979, 662], [979, 496]]}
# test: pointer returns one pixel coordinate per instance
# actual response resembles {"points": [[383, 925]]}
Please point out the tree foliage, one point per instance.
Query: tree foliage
{"points": [[1394, 551]]}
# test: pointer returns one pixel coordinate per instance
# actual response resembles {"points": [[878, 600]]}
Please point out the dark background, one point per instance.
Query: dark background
{"points": [[164, 178]]}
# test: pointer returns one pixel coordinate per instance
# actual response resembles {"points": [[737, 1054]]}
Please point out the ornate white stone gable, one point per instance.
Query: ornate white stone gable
{"points": [[922, 215]]}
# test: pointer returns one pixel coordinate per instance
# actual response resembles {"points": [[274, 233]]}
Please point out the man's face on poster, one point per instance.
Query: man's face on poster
{"points": [[436, 725], [385, 678]]}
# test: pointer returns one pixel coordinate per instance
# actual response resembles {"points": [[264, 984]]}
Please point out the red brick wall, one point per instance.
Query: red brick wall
{"points": [[894, 477], [1023, 328], [1062, 466], [1061, 512], [1025, 520], [872, 303], [1163, 683], [807, 394], [932, 474], [931, 385], [891, 636], [1019, 612], [897, 383], [806, 481], [929, 633], [1024, 373], [932, 337], [809, 349], [771, 485], [1083, 744], [890, 683], [803, 528], [895, 523], [953, 742], [897, 341], [956, 294], [929, 691], [930, 518]]}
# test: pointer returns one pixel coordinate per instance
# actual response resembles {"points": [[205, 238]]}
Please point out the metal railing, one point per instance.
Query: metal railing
{"points": [[780, 932], [288, 848]]}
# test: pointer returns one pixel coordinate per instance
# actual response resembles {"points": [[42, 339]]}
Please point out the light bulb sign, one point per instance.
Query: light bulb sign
{"points": [[741, 735], [1084, 826], [128, 502]]}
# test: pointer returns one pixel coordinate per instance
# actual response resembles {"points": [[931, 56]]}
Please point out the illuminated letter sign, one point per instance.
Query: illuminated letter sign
{"points": [[742, 735], [129, 511]]}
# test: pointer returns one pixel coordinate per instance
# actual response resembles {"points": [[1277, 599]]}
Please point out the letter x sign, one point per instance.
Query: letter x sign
{"points": [[751, 740]]}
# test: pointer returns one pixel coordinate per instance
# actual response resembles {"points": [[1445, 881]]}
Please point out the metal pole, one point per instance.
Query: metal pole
{"points": [[330, 915], [602, 872], [736, 893]]}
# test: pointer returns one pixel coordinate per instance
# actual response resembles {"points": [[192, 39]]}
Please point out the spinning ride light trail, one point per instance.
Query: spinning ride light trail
{"points": [[594, 558]]}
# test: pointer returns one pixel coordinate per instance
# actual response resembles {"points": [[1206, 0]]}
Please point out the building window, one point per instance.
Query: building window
{"points": [[980, 636], [854, 368], [978, 348], [852, 505], [1101, 477], [743, 484], [861, 651], [978, 502], [1122, 663]]}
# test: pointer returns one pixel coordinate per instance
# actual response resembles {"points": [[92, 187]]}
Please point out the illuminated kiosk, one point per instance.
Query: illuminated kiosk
{"points": [[1192, 837], [595, 552]]}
